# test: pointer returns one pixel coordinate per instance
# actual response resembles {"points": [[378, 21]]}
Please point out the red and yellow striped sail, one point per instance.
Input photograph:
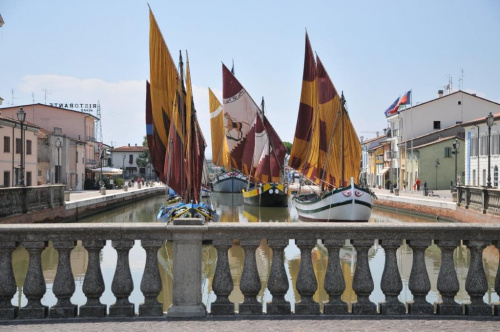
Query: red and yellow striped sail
{"points": [[220, 151]]}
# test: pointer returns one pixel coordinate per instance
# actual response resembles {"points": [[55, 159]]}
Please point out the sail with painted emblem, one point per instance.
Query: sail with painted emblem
{"points": [[254, 146]]}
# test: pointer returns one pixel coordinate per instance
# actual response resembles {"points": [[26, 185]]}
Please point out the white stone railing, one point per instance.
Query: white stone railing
{"points": [[187, 248]]}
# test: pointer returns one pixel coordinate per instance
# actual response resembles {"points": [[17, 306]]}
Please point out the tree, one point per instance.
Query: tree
{"points": [[144, 158], [288, 147]]}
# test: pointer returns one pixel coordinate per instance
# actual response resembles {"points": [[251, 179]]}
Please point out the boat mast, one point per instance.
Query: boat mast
{"points": [[342, 101], [268, 142]]}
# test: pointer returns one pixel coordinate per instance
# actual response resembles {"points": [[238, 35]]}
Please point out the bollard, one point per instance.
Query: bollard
{"points": [[103, 190]]}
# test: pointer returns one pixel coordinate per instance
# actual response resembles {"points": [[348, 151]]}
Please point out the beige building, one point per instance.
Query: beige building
{"points": [[66, 146], [10, 152]]}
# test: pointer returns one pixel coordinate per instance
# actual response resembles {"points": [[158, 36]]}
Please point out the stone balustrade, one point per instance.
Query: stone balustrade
{"points": [[187, 247], [482, 199], [22, 200]]}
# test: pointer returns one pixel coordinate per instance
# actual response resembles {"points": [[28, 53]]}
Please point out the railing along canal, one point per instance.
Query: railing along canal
{"points": [[187, 248]]}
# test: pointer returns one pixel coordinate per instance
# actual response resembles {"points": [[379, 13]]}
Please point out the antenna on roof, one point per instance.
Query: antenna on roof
{"points": [[46, 92], [461, 80], [12, 102]]}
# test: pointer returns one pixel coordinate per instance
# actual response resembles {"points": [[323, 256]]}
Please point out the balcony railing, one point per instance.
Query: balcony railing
{"points": [[187, 274]]}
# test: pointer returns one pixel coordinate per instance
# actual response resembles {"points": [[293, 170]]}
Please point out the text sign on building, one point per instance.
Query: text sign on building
{"points": [[84, 108]]}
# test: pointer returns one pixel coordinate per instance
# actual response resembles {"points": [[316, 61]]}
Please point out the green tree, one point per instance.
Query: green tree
{"points": [[288, 147], [144, 158]]}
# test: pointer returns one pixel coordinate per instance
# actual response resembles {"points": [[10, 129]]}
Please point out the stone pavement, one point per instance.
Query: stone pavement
{"points": [[270, 324]]}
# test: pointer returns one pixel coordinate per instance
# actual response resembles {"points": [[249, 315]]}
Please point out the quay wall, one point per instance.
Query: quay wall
{"points": [[44, 204]]}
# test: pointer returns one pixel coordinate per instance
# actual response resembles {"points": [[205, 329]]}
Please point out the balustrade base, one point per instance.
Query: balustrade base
{"points": [[95, 311], [187, 311], [496, 309], [63, 312], [392, 309], [279, 309], [478, 310], [151, 310], [9, 313], [336, 309], [34, 313], [222, 309], [364, 309], [122, 310], [449, 309], [420, 309], [307, 308], [250, 308]]}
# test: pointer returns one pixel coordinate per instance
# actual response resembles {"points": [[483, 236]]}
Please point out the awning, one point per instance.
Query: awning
{"points": [[107, 170], [384, 170]]}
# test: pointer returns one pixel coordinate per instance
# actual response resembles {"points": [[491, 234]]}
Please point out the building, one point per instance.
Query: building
{"points": [[125, 157], [10, 152], [482, 149], [433, 116], [68, 147]]}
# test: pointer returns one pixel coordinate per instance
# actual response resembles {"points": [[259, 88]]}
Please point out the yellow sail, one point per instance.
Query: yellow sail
{"points": [[220, 151]]}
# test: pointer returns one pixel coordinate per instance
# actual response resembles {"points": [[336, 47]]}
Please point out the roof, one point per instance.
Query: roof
{"points": [[496, 117], [50, 106], [130, 149], [439, 140]]}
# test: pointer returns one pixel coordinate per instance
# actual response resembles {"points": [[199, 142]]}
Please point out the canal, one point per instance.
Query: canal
{"points": [[231, 209]]}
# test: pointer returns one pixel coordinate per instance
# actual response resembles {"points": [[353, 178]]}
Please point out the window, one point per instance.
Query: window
{"points": [[77, 157], [437, 124], [483, 145], [28, 179], [474, 147], [131, 159], [495, 177], [18, 145], [474, 177], [28, 147], [6, 144], [447, 152], [495, 144], [6, 178], [484, 177]]}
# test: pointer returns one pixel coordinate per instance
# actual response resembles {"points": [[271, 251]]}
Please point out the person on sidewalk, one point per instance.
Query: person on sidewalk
{"points": [[418, 184]]}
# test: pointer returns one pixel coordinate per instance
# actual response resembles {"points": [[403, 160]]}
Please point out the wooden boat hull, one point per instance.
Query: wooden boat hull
{"points": [[230, 182], [268, 195], [341, 205]]}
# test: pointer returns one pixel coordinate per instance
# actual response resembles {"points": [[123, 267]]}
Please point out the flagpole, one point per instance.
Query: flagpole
{"points": [[411, 144]]}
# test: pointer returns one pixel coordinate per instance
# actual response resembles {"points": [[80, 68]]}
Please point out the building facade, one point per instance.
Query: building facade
{"points": [[125, 157]]}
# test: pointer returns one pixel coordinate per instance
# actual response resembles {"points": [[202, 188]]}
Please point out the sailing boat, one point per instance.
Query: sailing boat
{"points": [[254, 146], [227, 181], [326, 150], [174, 135]]}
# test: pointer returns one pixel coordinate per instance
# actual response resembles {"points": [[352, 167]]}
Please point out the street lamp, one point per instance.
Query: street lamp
{"points": [[21, 116], [437, 164], [456, 145], [102, 161], [58, 167], [123, 168], [391, 187], [489, 122]]}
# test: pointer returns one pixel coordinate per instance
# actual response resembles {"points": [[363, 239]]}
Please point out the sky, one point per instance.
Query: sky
{"points": [[374, 51]]}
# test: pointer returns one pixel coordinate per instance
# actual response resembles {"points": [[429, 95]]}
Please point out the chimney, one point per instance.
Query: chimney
{"points": [[440, 93], [135, 144], [128, 144]]}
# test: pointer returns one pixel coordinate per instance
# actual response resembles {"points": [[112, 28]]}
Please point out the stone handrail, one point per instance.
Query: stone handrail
{"points": [[187, 248]]}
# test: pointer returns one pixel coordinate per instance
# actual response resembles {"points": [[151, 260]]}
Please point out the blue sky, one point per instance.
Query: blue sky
{"points": [[84, 51]]}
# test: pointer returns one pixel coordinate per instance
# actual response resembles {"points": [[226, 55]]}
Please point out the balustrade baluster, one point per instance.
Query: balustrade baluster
{"points": [[476, 284], [334, 280], [362, 283], [7, 281], [151, 280], [222, 284], [122, 285], [250, 284], [391, 283], [93, 284], [34, 286], [278, 280], [419, 283], [447, 282], [64, 282], [496, 307], [306, 280]]}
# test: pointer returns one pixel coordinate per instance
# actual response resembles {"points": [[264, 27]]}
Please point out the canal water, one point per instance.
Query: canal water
{"points": [[231, 209]]}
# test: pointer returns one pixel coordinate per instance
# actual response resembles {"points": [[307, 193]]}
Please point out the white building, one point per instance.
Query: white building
{"points": [[125, 157]]}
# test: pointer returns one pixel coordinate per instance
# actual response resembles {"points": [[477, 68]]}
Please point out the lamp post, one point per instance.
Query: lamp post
{"points": [[58, 167], [489, 122], [391, 187], [437, 164], [101, 183], [456, 145], [21, 116], [123, 168]]}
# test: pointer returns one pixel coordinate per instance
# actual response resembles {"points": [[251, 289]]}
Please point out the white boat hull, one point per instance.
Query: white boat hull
{"points": [[340, 205], [231, 182]]}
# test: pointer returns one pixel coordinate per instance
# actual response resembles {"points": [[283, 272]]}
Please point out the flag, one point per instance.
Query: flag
{"points": [[393, 109], [406, 99]]}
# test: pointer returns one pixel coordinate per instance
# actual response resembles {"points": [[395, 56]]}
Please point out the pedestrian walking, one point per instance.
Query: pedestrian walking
{"points": [[418, 184]]}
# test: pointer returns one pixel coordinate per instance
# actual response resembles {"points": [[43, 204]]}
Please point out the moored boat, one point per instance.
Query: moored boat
{"points": [[327, 151]]}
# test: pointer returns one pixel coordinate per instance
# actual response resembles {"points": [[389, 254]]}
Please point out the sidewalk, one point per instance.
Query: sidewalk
{"points": [[433, 195], [76, 196]]}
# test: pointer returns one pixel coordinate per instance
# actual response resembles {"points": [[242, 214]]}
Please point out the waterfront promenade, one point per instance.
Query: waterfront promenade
{"points": [[262, 323]]}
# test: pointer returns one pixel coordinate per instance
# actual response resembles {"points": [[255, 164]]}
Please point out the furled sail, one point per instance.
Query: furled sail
{"points": [[220, 151]]}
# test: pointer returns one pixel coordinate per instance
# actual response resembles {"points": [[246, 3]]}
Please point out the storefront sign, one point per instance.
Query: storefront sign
{"points": [[84, 108]]}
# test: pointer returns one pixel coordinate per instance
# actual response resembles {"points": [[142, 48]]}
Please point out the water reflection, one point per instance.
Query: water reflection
{"points": [[231, 209]]}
